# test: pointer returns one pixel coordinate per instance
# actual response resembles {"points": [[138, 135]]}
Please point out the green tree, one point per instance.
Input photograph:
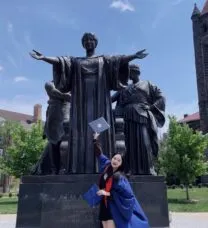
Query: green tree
{"points": [[182, 153], [6, 128], [23, 148]]}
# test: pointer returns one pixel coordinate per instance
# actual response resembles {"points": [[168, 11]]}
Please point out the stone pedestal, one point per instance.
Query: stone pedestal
{"points": [[56, 201]]}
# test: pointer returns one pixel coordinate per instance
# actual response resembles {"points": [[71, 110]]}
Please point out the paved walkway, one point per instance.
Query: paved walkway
{"points": [[179, 220], [189, 220], [7, 221]]}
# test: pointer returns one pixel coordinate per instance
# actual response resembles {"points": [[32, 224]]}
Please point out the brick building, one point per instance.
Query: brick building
{"points": [[193, 120], [26, 121]]}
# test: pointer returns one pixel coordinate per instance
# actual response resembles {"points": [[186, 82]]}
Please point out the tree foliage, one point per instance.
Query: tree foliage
{"points": [[182, 153], [22, 147]]}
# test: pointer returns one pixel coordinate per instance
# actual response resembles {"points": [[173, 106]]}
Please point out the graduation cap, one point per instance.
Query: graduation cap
{"points": [[91, 196], [99, 125]]}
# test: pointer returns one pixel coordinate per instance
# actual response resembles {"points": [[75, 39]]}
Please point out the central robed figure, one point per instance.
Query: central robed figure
{"points": [[90, 80]]}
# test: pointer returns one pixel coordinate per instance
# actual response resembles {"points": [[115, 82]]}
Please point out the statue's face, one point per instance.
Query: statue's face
{"points": [[134, 75], [89, 43]]}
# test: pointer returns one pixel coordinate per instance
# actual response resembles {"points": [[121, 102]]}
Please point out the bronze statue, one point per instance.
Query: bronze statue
{"points": [[57, 115], [90, 80], [142, 106]]}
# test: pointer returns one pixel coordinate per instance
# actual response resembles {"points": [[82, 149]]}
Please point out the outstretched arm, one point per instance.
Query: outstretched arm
{"points": [[103, 161], [138, 55], [97, 145], [37, 55]]}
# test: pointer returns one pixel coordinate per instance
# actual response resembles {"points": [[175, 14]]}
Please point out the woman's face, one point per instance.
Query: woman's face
{"points": [[89, 43], [116, 161]]}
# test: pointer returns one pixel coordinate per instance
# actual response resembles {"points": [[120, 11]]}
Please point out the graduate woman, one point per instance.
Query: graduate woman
{"points": [[118, 208]]}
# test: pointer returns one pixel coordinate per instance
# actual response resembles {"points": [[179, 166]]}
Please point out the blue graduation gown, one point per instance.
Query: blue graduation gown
{"points": [[125, 209]]}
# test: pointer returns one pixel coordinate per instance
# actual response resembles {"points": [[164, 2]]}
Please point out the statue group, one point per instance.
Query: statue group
{"points": [[80, 92]]}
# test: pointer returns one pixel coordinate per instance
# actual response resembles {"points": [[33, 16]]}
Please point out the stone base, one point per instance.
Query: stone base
{"points": [[56, 201], [204, 179]]}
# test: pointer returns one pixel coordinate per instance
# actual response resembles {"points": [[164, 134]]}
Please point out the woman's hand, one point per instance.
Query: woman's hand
{"points": [[36, 55], [95, 136], [103, 193]]}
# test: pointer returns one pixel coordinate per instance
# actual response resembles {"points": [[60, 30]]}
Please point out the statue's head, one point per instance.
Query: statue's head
{"points": [[134, 72], [89, 41]]}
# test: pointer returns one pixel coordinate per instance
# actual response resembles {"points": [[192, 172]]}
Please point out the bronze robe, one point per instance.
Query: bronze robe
{"points": [[90, 81], [141, 124]]}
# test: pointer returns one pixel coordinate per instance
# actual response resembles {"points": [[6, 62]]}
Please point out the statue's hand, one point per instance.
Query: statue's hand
{"points": [[67, 97], [36, 55], [146, 107], [141, 54]]}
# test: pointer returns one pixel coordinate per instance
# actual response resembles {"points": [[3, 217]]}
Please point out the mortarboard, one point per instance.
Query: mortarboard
{"points": [[99, 125], [91, 196]]}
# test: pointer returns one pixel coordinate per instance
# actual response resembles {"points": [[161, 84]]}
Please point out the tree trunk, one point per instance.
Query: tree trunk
{"points": [[5, 183], [187, 193]]}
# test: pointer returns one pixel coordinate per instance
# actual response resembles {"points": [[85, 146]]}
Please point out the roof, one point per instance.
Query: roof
{"points": [[205, 8], [15, 116], [189, 118], [196, 10]]}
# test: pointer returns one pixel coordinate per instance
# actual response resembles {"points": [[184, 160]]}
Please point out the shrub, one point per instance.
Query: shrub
{"points": [[173, 186], [181, 186], [190, 186], [199, 185]]}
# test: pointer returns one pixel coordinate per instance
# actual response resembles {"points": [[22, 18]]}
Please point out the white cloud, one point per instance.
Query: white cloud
{"points": [[20, 79], [18, 45], [1, 68], [122, 5], [9, 27]]}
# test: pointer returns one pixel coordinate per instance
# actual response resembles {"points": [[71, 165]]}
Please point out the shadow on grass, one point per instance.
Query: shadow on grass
{"points": [[8, 202], [182, 201]]}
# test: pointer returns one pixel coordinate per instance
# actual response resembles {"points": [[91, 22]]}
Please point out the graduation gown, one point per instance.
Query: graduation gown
{"points": [[125, 209]]}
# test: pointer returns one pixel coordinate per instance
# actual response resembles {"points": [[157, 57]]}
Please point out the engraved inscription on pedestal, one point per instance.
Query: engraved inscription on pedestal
{"points": [[68, 210], [56, 201]]}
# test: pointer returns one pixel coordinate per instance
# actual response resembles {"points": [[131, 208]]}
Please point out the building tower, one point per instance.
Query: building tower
{"points": [[200, 38]]}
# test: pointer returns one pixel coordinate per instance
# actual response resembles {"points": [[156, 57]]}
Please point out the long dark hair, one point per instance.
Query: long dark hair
{"points": [[121, 169]]}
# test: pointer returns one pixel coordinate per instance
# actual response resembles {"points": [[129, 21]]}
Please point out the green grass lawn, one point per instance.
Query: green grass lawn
{"points": [[176, 200], [8, 205]]}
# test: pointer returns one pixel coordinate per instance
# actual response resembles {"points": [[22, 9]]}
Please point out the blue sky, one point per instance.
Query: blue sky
{"points": [[163, 27]]}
